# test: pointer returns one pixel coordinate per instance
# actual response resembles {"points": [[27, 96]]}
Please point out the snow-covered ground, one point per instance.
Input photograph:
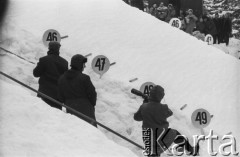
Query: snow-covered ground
{"points": [[191, 72]]}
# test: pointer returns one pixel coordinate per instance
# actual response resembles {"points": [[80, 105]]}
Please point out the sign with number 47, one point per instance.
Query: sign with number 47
{"points": [[100, 64]]}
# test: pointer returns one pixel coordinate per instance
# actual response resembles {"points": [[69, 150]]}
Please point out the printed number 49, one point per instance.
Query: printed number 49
{"points": [[201, 117], [100, 63]]}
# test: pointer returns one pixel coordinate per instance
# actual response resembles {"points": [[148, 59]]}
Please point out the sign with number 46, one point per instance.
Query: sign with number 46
{"points": [[100, 64], [51, 35]]}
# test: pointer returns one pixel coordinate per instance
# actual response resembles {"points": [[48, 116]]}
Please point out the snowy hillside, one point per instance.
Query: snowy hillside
{"points": [[191, 71], [30, 128]]}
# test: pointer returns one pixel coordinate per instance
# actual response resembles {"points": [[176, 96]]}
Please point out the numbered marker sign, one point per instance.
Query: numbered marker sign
{"points": [[51, 35], [175, 22], [100, 64], [201, 118], [146, 87], [209, 39]]}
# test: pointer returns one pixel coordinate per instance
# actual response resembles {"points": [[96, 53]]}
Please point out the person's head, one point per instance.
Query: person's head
{"points": [[190, 11], [156, 93], [54, 46], [154, 5], [161, 4], [205, 18], [170, 6], [78, 62]]}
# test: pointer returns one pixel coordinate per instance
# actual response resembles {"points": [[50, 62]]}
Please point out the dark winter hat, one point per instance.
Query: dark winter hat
{"points": [[77, 61], [156, 93], [53, 45]]}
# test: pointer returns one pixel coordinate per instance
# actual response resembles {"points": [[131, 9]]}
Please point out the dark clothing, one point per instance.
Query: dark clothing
{"points": [[226, 30], [77, 91], [154, 116], [49, 69], [138, 4], [200, 26], [210, 28]]}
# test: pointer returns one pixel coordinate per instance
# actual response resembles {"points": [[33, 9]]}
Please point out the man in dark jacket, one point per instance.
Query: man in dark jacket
{"points": [[76, 89], [49, 69], [210, 28], [154, 116]]}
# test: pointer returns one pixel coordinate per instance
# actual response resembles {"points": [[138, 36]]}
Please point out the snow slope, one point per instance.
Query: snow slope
{"points": [[191, 71], [30, 128]]}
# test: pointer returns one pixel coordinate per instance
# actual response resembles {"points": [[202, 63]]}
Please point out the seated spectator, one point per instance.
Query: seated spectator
{"points": [[198, 35], [153, 10], [162, 11], [170, 13], [190, 21], [210, 28]]}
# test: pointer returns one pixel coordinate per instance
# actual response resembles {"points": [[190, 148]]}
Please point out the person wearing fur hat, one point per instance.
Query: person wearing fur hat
{"points": [[153, 115], [190, 21], [77, 91], [49, 69]]}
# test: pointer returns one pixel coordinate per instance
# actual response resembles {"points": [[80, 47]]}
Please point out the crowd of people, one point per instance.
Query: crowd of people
{"points": [[220, 27]]}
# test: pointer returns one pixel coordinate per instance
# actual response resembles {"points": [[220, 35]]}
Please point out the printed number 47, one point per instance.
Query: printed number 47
{"points": [[100, 63]]}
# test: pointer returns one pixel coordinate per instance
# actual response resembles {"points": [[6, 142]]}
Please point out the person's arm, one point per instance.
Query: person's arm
{"points": [[39, 69], [91, 92], [168, 112], [138, 116], [60, 92]]}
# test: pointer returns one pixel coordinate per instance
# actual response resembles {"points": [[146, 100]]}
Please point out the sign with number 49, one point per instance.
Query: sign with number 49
{"points": [[201, 118]]}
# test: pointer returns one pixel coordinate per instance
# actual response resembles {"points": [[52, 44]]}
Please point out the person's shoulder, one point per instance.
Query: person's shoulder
{"points": [[63, 59]]}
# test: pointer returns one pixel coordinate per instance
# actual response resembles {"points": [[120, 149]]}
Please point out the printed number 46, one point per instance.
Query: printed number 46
{"points": [[201, 117], [100, 63]]}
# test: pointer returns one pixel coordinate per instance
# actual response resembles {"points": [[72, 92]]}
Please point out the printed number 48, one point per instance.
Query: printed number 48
{"points": [[201, 117], [100, 63], [175, 23]]}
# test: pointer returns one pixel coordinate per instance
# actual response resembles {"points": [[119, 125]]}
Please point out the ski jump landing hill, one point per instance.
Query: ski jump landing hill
{"points": [[143, 47]]}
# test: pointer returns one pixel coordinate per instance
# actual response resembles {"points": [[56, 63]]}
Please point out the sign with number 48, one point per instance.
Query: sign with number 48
{"points": [[146, 87]]}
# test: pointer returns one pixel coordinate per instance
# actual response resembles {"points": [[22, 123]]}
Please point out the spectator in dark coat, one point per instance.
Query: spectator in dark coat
{"points": [[217, 23], [210, 28], [200, 26], [154, 116], [49, 69], [76, 89], [171, 13], [226, 29]]}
